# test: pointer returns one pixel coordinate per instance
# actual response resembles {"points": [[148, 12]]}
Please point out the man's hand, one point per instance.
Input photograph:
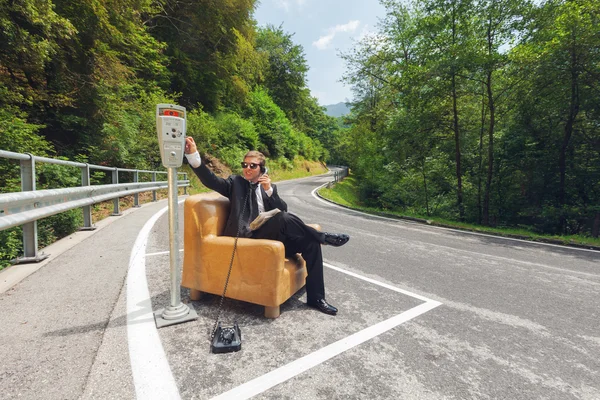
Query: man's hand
{"points": [[265, 181], [190, 145]]}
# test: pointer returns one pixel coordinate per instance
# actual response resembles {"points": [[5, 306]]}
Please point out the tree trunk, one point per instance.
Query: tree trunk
{"points": [[596, 225], [568, 133], [490, 170], [480, 169], [459, 193], [425, 186]]}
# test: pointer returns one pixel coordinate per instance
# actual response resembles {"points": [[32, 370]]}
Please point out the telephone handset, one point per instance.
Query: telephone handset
{"points": [[263, 170]]}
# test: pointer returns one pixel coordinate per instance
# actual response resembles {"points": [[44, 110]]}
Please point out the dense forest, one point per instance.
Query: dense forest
{"points": [[484, 111], [80, 80]]}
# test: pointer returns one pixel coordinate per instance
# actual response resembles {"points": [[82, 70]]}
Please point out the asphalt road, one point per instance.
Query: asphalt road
{"points": [[425, 313]]}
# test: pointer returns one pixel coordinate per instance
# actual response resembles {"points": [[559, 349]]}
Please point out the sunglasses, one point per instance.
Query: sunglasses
{"points": [[251, 165]]}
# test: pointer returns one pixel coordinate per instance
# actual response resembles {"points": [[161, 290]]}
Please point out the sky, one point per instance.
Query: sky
{"points": [[324, 28]]}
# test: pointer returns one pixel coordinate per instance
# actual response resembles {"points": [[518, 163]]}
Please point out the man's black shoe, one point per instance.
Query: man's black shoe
{"points": [[323, 306], [336, 239]]}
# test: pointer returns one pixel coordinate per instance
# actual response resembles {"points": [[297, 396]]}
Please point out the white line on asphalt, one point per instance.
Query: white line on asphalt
{"points": [[373, 281], [160, 253], [288, 371], [152, 376], [331, 204]]}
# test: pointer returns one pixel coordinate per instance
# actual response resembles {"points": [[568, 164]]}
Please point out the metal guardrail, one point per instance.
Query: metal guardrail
{"points": [[26, 207], [338, 174]]}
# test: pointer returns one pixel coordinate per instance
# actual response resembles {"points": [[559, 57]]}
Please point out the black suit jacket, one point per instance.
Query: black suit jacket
{"points": [[236, 189]]}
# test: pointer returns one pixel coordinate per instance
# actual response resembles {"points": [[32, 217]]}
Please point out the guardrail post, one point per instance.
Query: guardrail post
{"points": [[185, 177], [30, 236], [115, 180], [87, 210], [154, 191], [136, 196]]}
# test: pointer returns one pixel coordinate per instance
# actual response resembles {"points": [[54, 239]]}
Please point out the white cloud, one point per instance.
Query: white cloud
{"points": [[324, 41]]}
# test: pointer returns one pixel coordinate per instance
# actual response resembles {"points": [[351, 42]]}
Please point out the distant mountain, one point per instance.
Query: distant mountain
{"points": [[337, 110]]}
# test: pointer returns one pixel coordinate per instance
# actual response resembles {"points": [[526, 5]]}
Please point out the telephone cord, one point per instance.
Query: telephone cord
{"points": [[214, 329]]}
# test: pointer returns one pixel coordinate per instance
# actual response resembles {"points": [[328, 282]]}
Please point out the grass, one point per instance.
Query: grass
{"points": [[345, 193], [301, 169]]}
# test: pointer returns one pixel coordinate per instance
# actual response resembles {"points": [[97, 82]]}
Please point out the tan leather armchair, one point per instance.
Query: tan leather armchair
{"points": [[260, 274]]}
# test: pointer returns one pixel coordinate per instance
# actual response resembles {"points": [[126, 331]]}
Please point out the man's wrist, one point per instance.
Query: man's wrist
{"points": [[194, 159]]}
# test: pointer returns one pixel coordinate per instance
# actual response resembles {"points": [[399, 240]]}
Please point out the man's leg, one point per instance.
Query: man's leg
{"points": [[297, 237], [311, 252], [284, 227]]}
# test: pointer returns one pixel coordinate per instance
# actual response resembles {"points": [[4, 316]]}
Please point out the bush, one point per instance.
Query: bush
{"points": [[203, 128], [49, 229], [127, 137], [19, 136], [273, 127], [236, 131], [11, 247]]}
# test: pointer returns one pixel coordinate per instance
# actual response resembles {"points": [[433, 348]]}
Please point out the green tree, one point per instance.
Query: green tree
{"points": [[273, 127], [558, 105], [206, 40], [498, 23], [285, 81], [31, 37], [285, 74]]}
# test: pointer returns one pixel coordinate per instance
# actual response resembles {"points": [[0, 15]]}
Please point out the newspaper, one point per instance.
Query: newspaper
{"points": [[262, 218]]}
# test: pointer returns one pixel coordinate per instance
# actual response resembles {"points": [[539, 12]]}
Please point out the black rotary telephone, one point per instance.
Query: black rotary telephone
{"points": [[226, 340]]}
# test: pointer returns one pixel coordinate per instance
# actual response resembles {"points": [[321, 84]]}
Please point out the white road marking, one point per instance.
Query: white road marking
{"points": [[152, 376], [444, 228], [373, 281], [160, 253], [290, 370]]}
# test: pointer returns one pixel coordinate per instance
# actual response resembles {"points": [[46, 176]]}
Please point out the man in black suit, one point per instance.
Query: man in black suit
{"points": [[253, 193]]}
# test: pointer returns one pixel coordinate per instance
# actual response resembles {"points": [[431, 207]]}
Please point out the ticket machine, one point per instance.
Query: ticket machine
{"points": [[170, 128]]}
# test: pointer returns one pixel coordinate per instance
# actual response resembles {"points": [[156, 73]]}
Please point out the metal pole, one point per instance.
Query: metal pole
{"points": [[87, 210], [136, 197], [154, 191], [174, 238], [115, 180], [30, 234], [177, 312], [30, 237]]}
